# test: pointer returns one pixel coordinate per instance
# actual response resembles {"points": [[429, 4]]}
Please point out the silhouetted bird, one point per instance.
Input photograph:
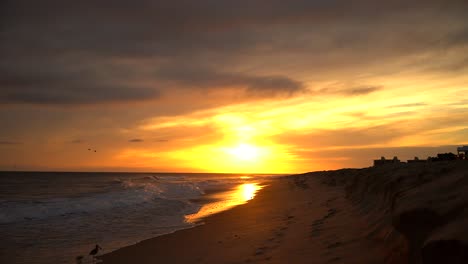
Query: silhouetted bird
{"points": [[89, 149], [94, 150], [94, 252]]}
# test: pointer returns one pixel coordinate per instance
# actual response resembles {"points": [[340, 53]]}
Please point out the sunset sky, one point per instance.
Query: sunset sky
{"points": [[229, 86]]}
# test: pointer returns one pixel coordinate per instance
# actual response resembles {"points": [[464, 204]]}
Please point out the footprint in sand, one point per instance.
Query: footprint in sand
{"points": [[317, 225], [331, 212], [334, 259], [260, 251], [334, 245], [329, 201]]}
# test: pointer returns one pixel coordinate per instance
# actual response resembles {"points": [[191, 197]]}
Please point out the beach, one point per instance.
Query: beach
{"points": [[72, 212], [293, 220], [410, 213]]}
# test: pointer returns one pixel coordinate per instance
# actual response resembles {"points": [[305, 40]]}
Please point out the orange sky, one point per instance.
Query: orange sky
{"points": [[302, 86]]}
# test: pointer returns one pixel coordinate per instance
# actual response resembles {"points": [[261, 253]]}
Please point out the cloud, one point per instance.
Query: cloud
{"points": [[10, 143], [61, 84], [342, 137], [136, 140], [6, 142], [197, 78], [77, 141], [88, 52], [69, 84], [408, 105], [362, 90], [351, 91]]}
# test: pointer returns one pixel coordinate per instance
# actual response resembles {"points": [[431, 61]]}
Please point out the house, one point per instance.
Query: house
{"points": [[462, 152], [416, 160], [383, 161]]}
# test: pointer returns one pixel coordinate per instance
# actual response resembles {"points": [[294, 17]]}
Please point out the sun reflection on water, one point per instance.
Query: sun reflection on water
{"points": [[248, 191], [226, 200]]}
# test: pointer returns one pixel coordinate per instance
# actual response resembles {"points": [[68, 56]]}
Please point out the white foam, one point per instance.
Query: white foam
{"points": [[133, 193]]}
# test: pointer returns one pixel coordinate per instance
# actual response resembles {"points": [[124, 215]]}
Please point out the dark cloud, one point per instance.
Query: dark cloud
{"points": [[77, 141], [136, 140], [6, 142], [89, 52], [211, 79], [60, 84]]}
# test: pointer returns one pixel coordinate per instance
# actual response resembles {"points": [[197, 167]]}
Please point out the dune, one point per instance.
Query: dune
{"points": [[426, 203], [406, 213]]}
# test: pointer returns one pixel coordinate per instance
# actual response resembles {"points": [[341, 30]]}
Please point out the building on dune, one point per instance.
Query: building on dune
{"points": [[462, 152], [417, 160], [443, 157], [383, 161]]}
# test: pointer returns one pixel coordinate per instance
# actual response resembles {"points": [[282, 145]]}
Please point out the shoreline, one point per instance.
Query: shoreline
{"points": [[408, 213], [293, 220]]}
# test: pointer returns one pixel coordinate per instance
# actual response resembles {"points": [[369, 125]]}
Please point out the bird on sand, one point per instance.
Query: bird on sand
{"points": [[94, 252]]}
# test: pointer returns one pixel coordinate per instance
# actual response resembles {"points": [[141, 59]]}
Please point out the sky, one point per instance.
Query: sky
{"points": [[230, 86]]}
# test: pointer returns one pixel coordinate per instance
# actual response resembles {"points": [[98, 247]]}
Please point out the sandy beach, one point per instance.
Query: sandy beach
{"points": [[411, 213], [293, 220]]}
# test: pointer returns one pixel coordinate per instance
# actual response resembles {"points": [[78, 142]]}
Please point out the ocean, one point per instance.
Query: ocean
{"points": [[53, 217]]}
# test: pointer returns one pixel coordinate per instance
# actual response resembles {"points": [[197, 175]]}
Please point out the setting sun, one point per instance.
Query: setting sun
{"points": [[245, 152]]}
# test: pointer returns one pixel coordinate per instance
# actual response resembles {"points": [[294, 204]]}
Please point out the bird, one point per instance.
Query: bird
{"points": [[94, 252]]}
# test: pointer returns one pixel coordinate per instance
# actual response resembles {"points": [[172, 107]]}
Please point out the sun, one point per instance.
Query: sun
{"points": [[245, 152]]}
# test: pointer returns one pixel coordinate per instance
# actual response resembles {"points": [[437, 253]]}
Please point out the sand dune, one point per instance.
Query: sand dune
{"points": [[427, 203]]}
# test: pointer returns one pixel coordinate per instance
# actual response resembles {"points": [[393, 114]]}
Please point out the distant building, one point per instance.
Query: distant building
{"points": [[462, 152], [383, 161], [444, 157], [416, 160]]}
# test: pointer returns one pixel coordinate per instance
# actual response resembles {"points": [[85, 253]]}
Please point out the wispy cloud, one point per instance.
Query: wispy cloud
{"points": [[6, 142], [408, 105]]}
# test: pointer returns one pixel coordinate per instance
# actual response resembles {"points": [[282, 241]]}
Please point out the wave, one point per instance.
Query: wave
{"points": [[130, 194], [134, 192]]}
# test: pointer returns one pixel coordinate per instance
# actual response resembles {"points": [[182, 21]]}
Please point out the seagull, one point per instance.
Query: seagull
{"points": [[94, 252]]}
